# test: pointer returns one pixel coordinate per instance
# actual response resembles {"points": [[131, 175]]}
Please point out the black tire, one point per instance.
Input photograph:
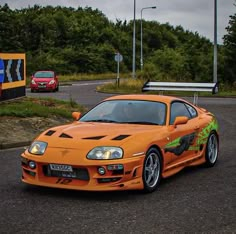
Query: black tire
{"points": [[212, 150], [152, 168], [57, 88]]}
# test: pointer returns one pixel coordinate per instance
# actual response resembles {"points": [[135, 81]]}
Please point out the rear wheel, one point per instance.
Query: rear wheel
{"points": [[152, 170], [212, 150]]}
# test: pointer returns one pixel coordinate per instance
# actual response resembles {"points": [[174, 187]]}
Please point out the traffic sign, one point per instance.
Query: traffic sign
{"points": [[1, 71], [118, 57]]}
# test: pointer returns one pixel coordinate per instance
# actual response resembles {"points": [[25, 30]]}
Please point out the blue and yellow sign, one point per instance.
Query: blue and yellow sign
{"points": [[1, 71], [12, 76]]}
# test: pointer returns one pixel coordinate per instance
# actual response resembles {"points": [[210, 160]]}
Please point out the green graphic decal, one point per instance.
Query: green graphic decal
{"points": [[201, 138], [173, 143], [203, 135], [184, 144]]}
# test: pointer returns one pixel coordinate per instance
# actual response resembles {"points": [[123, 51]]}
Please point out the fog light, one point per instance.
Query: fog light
{"points": [[32, 164], [101, 170]]}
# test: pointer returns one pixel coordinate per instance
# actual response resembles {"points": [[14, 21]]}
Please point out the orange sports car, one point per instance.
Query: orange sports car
{"points": [[125, 142]]}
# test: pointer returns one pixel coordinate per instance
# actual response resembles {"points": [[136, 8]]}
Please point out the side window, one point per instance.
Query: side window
{"points": [[178, 109], [192, 111]]}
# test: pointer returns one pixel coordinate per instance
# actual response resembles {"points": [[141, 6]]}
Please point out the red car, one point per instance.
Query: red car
{"points": [[44, 81]]}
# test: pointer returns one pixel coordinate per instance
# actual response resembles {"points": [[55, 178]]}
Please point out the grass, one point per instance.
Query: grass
{"points": [[128, 85], [47, 107], [135, 86], [41, 107], [125, 86], [80, 77]]}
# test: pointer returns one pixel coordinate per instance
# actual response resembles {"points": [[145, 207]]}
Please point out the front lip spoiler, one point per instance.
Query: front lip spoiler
{"points": [[135, 184]]}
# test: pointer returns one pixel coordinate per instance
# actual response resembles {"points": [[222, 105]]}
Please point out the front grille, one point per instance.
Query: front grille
{"points": [[78, 173]]}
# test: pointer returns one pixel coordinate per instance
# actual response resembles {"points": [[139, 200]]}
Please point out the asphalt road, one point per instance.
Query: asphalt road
{"points": [[83, 92], [197, 200]]}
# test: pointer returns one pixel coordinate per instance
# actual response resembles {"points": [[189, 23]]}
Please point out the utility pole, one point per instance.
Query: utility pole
{"points": [[133, 67], [215, 43]]}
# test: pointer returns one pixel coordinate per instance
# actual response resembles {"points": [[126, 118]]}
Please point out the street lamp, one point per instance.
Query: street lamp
{"points": [[133, 66], [141, 38], [215, 43]]}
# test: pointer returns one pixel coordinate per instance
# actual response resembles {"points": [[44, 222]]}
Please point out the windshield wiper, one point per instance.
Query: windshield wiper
{"points": [[101, 120], [141, 122]]}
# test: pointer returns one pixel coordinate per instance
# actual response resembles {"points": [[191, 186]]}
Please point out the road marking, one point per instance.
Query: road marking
{"points": [[94, 83]]}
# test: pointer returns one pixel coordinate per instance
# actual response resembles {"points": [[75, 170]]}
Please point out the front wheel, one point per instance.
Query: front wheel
{"points": [[212, 150], [152, 170], [57, 88]]}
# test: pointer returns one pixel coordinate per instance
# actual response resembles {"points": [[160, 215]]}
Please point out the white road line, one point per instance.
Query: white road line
{"points": [[91, 83]]}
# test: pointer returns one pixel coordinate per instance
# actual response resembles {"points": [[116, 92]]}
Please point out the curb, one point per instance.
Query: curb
{"points": [[14, 145]]}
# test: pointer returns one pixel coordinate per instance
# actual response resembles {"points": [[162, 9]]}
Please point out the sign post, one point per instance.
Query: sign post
{"points": [[118, 59]]}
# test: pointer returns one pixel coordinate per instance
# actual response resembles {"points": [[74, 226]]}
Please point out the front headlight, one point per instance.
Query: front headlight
{"points": [[105, 152], [52, 82], [33, 82], [38, 147]]}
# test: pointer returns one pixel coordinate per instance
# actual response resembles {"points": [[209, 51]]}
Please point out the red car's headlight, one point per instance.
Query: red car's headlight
{"points": [[52, 82], [33, 82]]}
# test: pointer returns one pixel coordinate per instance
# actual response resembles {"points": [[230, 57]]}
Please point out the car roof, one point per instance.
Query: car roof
{"points": [[146, 97], [44, 71]]}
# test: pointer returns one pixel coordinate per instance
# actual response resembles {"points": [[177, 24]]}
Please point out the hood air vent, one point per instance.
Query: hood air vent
{"points": [[93, 138], [63, 135], [120, 137], [50, 132]]}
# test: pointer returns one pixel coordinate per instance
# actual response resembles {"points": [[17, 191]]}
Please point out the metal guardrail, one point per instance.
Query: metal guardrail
{"points": [[181, 86]]}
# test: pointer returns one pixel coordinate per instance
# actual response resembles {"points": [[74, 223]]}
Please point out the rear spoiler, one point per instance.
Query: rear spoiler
{"points": [[181, 86]]}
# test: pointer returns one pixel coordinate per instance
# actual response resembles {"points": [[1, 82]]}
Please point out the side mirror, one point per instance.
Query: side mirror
{"points": [[180, 120], [76, 115]]}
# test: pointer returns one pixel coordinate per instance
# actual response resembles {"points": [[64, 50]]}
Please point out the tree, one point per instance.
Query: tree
{"points": [[171, 63], [230, 50]]}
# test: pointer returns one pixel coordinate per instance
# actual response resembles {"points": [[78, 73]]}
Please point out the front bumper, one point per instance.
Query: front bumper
{"points": [[46, 87], [86, 177]]}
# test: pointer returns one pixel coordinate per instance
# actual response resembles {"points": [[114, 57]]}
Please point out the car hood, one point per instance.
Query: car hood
{"points": [[82, 135]]}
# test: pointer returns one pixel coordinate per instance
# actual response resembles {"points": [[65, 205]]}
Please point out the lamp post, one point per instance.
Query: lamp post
{"points": [[215, 42], [141, 36], [133, 66]]}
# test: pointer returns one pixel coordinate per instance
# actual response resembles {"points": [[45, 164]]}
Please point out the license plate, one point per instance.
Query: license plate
{"points": [[60, 167], [42, 86]]}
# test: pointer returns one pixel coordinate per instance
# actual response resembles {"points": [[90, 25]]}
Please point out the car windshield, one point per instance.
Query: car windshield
{"points": [[44, 74], [127, 111]]}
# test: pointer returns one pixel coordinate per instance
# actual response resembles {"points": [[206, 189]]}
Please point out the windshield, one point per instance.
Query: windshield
{"points": [[44, 74], [127, 111]]}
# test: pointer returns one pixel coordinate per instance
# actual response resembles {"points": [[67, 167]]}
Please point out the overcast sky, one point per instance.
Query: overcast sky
{"points": [[192, 15]]}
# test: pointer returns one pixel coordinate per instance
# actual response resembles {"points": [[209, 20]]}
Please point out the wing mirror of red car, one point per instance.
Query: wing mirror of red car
{"points": [[180, 120], [76, 115]]}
